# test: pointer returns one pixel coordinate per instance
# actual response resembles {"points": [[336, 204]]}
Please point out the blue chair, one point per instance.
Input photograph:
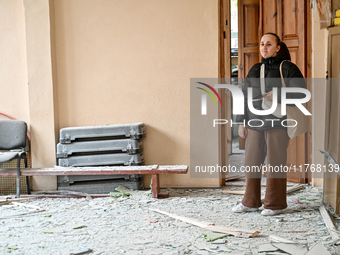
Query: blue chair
{"points": [[13, 137]]}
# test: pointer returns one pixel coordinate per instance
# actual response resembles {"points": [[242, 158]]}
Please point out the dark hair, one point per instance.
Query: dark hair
{"points": [[278, 41]]}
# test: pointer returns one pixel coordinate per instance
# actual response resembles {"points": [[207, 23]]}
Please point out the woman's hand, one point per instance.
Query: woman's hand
{"points": [[269, 96], [242, 131]]}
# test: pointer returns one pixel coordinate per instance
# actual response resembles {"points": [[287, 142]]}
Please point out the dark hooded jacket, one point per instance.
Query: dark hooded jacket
{"points": [[293, 78]]}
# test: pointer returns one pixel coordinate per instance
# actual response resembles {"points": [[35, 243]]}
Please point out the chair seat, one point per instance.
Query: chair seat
{"points": [[8, 156]]}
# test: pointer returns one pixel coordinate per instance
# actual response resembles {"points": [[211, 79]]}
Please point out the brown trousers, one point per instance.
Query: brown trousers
{"points": [[272, 143]]}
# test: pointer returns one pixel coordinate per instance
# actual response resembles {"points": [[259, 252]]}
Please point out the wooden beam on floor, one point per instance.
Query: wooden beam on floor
{"points": [[234, 192], [211, 226], [335, 234]]}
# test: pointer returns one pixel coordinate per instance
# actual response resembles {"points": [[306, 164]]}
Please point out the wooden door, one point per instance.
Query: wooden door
{"points": [[249, 36], [248, 40], [288, 19], [331, 191]]}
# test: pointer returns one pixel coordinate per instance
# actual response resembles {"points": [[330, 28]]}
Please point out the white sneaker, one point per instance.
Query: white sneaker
{"points": [[270, 212], [242, 208]]}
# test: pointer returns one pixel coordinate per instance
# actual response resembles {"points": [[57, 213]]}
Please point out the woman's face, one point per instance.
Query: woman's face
{"points": [[268, 46]]}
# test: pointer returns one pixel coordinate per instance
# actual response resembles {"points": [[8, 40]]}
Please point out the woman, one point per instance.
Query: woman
{"points": [[266, 136]]}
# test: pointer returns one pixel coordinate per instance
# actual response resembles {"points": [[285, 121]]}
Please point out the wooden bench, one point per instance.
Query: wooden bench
{"points": [[154, 170]]}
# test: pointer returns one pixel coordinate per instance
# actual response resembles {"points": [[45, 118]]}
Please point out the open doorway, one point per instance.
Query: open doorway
{"points": [[245, 21], [235, 151]]}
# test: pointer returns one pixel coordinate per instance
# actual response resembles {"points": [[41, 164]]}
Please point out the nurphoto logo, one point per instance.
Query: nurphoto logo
{"points": [[238, 103], [204, 97]]}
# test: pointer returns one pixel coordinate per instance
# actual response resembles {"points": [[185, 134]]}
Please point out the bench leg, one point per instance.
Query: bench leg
{"points": [[155, 188]]}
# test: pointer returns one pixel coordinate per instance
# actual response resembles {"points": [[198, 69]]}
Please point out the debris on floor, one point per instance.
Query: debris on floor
{"points": [[318, 249], [82, 250], [335, 234], [267, 248], [212, 236], [37, 209], [291, 248], [122, 192], [125, 225]]}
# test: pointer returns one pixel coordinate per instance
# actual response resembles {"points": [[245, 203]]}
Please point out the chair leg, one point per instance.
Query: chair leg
{"points": [[18, 177], [28, 185]]}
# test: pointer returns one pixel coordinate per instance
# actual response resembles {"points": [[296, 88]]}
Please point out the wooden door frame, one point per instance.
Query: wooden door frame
{"points": [[331, 180], [309, 75], [224, 51]]}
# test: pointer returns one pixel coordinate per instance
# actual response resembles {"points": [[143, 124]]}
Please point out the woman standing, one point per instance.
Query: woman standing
{"points": [[263, 137]]}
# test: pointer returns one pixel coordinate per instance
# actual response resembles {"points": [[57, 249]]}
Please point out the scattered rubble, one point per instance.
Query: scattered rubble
{"points": [[125, 225]]}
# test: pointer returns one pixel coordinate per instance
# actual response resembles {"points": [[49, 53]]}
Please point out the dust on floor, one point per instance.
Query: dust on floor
{"points": [[125, 225]]}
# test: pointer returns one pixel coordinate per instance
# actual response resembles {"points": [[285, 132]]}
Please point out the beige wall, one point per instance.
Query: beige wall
{"points": [[130, 61], [90, 62], [319, 67], [13, 72]]}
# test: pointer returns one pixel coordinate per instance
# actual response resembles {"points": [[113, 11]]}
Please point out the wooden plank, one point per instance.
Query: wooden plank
{"points": [[295, 188], [211, 226], [105, 170], [8, 201], [233, 231], [335, 234], [234, 177], [234, 192], [195, 222], [21, 214]]}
